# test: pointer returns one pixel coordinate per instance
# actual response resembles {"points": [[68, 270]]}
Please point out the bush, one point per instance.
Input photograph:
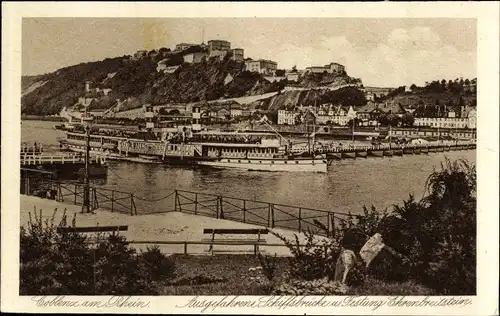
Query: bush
{"points": [[438, 234], [315, 260], [65, 263], [268, 265], [432, 241], [160, 266]]}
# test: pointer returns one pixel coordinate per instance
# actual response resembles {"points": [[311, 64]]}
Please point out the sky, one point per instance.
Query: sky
{"points": [[381, 51]]}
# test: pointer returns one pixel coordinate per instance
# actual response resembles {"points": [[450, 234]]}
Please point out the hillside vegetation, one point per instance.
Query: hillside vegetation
{"points": [[137, 82], [287, 100]]}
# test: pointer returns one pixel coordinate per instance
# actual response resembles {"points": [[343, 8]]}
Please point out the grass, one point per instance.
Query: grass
{"points": [[386, 288], [230, 275], [234, 269]]}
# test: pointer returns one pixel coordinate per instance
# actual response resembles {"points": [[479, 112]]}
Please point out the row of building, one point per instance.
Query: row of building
{"points": [[366, 116], [332, 68], [219, 49]]}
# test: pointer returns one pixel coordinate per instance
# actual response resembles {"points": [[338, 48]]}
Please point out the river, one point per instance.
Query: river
{"points": [[347, 186]]}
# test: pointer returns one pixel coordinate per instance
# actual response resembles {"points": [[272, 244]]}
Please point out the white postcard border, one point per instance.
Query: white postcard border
{"points": [[487, 163]]}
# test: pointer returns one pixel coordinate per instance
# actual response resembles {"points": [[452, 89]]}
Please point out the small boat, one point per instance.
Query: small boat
{"points": [[363, 154], [388, 153], [65, 127], [349, 154], [376, 153], [149, 159]]}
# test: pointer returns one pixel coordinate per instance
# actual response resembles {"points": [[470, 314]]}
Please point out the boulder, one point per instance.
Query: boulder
{"points": [[345, 262], [371, 248]]}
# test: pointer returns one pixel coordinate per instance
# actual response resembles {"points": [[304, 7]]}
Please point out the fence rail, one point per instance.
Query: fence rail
{"points": [[38, 159], [266, 214], [186, 243], [256, 212]]}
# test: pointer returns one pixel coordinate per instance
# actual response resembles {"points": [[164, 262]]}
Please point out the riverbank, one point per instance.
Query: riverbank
{"points": [[198, 273], [165, 227], [41, 118]]}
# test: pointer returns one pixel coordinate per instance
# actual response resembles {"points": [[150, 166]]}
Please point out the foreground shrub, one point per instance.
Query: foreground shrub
{"points": [[268, 265], [438, 234], [160, 266], [57, 263], [432, 240], [314, 260]]}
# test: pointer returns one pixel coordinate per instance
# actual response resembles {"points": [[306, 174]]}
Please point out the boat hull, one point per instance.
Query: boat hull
{"points": [[271, 165]]}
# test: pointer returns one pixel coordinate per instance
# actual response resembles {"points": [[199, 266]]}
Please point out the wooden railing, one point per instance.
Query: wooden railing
{"points": [[29, 159], [113, 200], [260, 213], [186, 243], [266, 214]]}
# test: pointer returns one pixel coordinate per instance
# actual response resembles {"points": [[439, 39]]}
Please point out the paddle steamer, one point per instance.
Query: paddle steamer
{"points": [[241, 150]]}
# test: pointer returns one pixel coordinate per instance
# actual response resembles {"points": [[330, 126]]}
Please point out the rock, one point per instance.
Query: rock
{"points": [[345, 262], [371, 249]]}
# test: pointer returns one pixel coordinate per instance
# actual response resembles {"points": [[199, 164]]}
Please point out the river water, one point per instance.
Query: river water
{"points": [[348, 185]]}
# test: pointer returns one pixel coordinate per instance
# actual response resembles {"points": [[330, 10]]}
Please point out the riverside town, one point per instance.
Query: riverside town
{"points": [[272, 163]]}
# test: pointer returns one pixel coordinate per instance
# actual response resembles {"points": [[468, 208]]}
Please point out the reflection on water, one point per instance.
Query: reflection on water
{"points": [[347, 186]]}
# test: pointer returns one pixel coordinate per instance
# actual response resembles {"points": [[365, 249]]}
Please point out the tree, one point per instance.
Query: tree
{"points": [[407, 120], [164, 50], [280, 72], [443, 85], [413, 87], [438, 233], [294, 69], [273, 117], [389, 120]]}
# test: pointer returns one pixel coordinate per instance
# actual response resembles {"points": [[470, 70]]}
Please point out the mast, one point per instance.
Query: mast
{"points": [[438, 120], [273, 129], [313, 136], [390, 136], [353, 130]]}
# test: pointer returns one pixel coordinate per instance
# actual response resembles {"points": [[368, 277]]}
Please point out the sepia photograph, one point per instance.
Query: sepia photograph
{"points": [[249, 156]]}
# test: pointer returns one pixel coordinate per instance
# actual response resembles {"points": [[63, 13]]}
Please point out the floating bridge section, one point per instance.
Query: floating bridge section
{"points": [[394, 150]]}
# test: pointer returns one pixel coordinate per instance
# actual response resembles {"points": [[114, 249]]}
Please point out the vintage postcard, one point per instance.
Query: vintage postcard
{"points": [[258, 158]]}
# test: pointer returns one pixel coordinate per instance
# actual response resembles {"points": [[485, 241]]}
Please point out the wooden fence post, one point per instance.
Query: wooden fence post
{"points": [[175, 201], [221, 208], [332, 219], [272, 216], [328, 224], [300, 219], [269, 215], [195, 203], [217, 208], [244, 210], [75, 193], [59, 193], [131, 203]]}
